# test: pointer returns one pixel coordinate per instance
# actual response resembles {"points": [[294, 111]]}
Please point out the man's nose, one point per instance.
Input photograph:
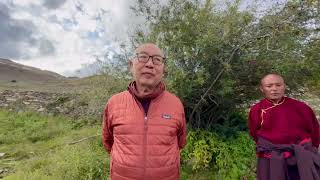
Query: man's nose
{"points": [[149, 63], [273, 88]]}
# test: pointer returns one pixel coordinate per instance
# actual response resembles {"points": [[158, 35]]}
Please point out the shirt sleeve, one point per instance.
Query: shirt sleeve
{"points": [[254, 122], [107, 134], [182, 133], [315, 135]]}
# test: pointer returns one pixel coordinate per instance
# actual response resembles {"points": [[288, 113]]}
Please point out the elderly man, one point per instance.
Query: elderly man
{"points": [[286, 133], [144, 127]]}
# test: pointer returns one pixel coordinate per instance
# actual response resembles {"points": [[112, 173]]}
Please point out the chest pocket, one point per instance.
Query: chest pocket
{"points": [[163, 129], [126, 121], [167, 124]]}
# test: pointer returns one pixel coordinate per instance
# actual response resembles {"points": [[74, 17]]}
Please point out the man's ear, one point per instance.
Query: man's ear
{"points": [[130, 65], [261, 89], [165, 72]]}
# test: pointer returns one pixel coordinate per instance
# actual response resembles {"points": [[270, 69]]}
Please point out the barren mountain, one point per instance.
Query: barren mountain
{"points": [[18, 77], [15, 72]]}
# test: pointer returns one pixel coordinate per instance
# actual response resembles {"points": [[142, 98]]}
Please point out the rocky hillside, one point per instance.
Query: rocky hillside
{"points": [[49, 103], [15, 72]]}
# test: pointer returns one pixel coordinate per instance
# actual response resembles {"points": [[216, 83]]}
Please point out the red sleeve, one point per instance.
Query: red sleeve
{"points": [[315, 135], [254, 122], [107, 134], [182, 133]]}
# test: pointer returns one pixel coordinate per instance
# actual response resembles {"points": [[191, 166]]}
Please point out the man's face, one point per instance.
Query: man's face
{"points": [[273, 87], [147, 73]]}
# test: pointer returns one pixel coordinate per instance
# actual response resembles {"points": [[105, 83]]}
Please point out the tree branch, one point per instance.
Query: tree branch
{"points": [[220, 74]]}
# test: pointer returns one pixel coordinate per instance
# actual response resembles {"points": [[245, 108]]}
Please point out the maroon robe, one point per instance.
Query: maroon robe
{"points": [[288, 122]]}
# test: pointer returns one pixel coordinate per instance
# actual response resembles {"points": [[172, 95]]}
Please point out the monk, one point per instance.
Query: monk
{"points": [[286, 133]]}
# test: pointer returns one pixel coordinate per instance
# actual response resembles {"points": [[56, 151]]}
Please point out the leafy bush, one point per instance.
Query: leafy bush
{"points": [[232, 124], [230, 158], [236, 158]]}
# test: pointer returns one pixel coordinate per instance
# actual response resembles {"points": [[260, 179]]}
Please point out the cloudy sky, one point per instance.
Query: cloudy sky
{"points": [[64, 35]]}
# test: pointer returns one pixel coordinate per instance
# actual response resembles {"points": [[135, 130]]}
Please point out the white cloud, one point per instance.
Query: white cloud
{"points": [[78, 31], [25, 2], [65, 63]]}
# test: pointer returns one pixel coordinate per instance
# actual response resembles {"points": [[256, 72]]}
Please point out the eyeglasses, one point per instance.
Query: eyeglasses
{"points": [[156, 59]]}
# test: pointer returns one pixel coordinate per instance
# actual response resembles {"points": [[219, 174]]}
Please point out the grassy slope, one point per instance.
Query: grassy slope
{"points": [[36, 147]]}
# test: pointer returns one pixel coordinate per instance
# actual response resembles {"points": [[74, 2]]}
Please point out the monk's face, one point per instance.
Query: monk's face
{"points": [[273, 87], [147, 67]]}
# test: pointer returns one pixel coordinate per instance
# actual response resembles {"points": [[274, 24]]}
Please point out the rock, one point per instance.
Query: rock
{"points": [[35, 100], [41, 109], [11, 99], [26, 103], [50, 103], [60, 110], [3, 171]]}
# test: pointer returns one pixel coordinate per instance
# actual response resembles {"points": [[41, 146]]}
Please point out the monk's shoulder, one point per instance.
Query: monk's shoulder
{"points": [[256, 106], [298, 104]]}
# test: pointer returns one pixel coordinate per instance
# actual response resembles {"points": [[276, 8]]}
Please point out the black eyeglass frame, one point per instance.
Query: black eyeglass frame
{"points": [[152, 58]]}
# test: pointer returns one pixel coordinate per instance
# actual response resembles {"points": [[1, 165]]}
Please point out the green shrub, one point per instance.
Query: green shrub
{"points": [[236, 158], [229, 158], [231, 125], [201, 149]]}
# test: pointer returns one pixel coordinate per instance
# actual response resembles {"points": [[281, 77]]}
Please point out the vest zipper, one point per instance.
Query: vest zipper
{"points": [[145, 132], [145, 145]]}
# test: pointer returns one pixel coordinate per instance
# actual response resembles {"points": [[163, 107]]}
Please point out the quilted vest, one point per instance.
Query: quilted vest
{"points": [[144, 146]]}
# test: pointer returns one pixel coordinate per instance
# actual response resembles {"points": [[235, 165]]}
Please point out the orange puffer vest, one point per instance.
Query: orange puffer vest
{"points": [[144, 147]]}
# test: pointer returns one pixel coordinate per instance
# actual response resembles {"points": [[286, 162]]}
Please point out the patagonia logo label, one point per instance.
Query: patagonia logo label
{"points": [[166, 116]]}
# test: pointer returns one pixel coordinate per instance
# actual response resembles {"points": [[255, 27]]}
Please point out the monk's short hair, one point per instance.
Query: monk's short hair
{"points": [[271, 74]]}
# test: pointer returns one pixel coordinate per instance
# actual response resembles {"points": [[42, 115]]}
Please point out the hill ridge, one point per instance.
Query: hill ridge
{"points": [[13, 71]]}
